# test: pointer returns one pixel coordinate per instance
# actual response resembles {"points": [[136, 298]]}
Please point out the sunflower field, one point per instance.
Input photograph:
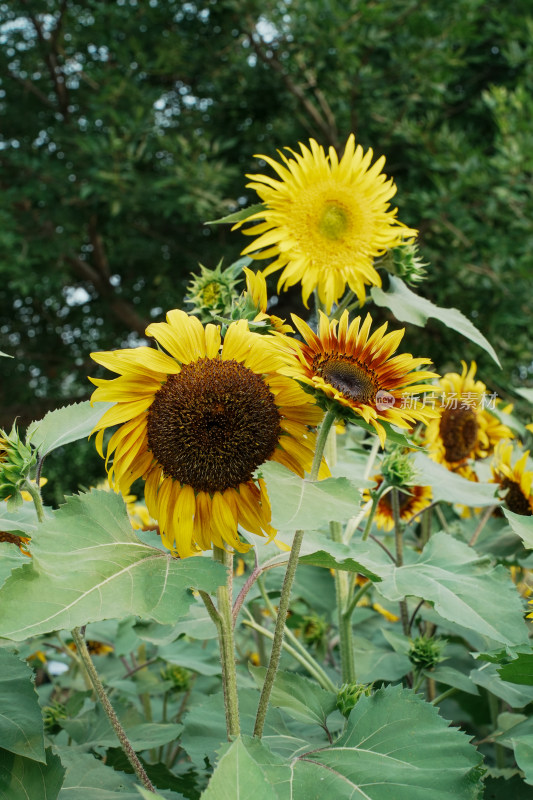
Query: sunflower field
{"points": [[270, 534]]}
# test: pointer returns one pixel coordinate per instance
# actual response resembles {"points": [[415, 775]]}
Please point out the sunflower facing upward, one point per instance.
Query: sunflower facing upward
{"points": [[196, 422], [325, 220], [357, 371]]}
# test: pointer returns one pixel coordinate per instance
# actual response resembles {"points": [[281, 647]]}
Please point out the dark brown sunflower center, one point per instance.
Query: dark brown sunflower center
{"points": [[458, 431], [404, 500], [213, 424], [515, 499], [5, 536], [348, 377]]}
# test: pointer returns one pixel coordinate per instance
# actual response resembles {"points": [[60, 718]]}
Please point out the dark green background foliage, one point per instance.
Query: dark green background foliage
{"points": [[126, 125]]}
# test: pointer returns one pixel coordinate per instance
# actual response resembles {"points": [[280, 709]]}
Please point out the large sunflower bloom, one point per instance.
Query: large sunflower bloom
{"points": [[358, 371], [515, 480], [325, 220], [196, 422], [464, 429]]}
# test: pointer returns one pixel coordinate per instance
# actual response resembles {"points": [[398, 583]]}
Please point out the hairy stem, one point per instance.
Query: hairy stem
{"points": [[109, 710], [343, 591], [398, 539], [227, 647]]}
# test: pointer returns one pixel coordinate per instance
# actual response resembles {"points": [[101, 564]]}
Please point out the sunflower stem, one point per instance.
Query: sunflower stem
{"points": [[321, 439], [343, 591], [35, 493], [337, 314], [279, 631], [109, 710], [358, 595], [227, 648], [398, 539]]}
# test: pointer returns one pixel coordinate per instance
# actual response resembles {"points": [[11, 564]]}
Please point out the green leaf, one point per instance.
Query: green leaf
{"points": [[410, 307], [366, 558], [452, 488], [512, 694], [375, 663], [21, 724], [520, 739], [93, 729], [88, 565], [24, 779], [527, 394], [305, 504], [87, 777], [298, 696], [395, 746], [452, 677], [23, 519], [237, 216], [463, 587], [518, 671], [522, 526], [10, 559], [65, 425], [150, 795], [238, 774]]}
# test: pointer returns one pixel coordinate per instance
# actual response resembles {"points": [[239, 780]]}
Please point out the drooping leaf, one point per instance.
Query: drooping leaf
{"points": [[25, 779], [88, 565], [522, 526], [305, 504], [65, 425], [520, 670], [298, 696], [21, 723], [520, 739], [463, 587], [452, 488], [410, 307], [511, 693]]}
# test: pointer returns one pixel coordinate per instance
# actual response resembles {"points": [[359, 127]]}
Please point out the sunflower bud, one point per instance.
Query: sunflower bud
{"points": [[405, 263], [426, 652], [179, 677], [52, 716], [349, 694], [212, 292], [398, 469], [314, 629], [16, 462]]}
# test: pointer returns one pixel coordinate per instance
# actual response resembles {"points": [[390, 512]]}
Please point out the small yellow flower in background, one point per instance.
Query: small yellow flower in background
{"points": [[515, 480], [197, 421], [464, 429], [27, 496], [94, 647], [358, 371], [325, 220], [412, 500]]}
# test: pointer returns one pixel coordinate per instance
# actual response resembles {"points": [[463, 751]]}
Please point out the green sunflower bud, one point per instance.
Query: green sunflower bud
{"points": [[426, 652], [52, 715], [405, 263], [314, 629], [349, 694], [16, 463], [213, 291], [179, 677], [398, 470]]}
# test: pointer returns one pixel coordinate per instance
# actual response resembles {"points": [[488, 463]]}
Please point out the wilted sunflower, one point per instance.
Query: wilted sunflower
{"points": [[464, 429], [325, 220], [515, 480], [358, 371], [196, 422], [412, 500]]}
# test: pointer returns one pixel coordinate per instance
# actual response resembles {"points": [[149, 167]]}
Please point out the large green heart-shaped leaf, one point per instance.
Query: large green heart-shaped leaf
{"points": [[452, 488], [410, 307], [24, 779], [88, 565], [464, 588], [298, 696]]}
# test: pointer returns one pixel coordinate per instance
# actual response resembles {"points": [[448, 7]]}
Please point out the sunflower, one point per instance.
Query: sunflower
{"points": [[515, 481], [412, 500], [358, 371], [196, 422], [464, 429], [325, 220]]}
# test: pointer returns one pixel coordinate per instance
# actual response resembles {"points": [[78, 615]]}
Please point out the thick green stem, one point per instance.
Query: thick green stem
{"points": [[356, 597], [109, 710], [494, 707], [279, 632], [398, 538], [33, 490], [227, 648], [343, 591]]}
